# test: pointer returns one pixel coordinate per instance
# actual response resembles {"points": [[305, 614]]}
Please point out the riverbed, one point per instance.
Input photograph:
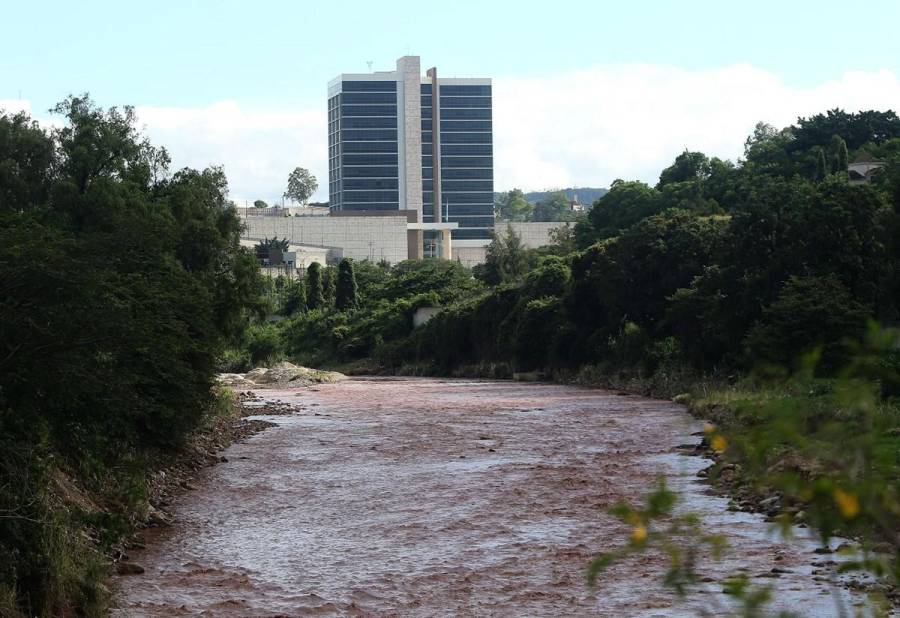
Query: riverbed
{"points": [[430, 497]]}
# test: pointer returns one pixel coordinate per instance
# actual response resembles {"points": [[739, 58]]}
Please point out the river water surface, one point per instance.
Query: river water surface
{"points": [[425, 497]]}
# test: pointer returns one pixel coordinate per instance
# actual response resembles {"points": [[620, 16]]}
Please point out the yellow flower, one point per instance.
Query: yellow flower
{"points": [[639, 534], [719, 443], [847, 502]]}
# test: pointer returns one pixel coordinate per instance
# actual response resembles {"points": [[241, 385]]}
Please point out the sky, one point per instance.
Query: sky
{"points": [[584, 92]]}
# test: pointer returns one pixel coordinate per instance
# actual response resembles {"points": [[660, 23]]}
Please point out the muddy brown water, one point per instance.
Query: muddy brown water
{"points": [[426, 497]]}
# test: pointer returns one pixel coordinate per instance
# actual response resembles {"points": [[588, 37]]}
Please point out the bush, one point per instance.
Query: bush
{"points": [[234, 361], [810, 312], [264, 345]]}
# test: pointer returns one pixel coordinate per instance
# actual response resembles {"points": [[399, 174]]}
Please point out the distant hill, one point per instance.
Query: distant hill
{"points": [[586, 195]]}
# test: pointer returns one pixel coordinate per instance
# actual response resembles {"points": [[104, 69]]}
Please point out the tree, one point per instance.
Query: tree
{"points": [[506, 259], [315, 299], [346, 286], [624, 205], [301, 185], [120, 285], [260, 204], [294, 298], [329, 284], [513, 206], [809, 312], [688, 166], [264, 248], [839, 156], [821, 164], [554, 207]]}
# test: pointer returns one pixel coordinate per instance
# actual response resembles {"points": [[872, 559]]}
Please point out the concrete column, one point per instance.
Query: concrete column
{"points": [[446, 246], [409, 133]]}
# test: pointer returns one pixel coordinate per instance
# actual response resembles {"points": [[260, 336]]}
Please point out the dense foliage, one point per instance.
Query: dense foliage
{"points": [[120, 284], [718, 268]]}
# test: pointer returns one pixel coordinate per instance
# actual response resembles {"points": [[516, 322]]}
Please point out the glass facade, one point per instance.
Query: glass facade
{"points": [[364, 152], [467, 161], [362, 146]]}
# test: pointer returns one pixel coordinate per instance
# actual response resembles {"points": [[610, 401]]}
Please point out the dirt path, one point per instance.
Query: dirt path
{"points": [[422, 497]]}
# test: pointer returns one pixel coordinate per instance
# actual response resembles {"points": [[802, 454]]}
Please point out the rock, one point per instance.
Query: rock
{"points": [[683, 399], [156, 517], [260, 375], [768, 503], [822, 550], [781, 570], [129, 568]]}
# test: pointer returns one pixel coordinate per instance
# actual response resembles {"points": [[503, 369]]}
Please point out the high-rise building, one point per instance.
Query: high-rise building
{"points": [[398, 140]]}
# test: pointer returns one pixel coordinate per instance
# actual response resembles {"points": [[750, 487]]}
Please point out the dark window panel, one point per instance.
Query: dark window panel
{"points": [[467, 185], [357, 184], [466, 162], [369, 135], [465, 174], [452, 197], [448, 102], [370, 147], [370, 196], [370, 159], [367, 86], [472, 234], [370, 97], [368, 110], [465, 91], [370, 172], [370, 123], [466, 138], [465, 114], [448, 126]]}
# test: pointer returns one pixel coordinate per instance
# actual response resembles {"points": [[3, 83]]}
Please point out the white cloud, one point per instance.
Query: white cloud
{"points": [[257, 147], [583, 128], [13, 106], [590, 127]]}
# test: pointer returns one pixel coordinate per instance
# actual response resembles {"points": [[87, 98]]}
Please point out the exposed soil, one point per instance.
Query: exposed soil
{"points": [[426, 497]]}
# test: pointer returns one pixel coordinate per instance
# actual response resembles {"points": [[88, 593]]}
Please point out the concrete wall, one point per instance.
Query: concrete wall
{"points": [[469, 256], [361, 238], [380, 237], [534, 234]]}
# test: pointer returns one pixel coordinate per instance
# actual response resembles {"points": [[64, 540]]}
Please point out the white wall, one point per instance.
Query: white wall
{"points": [[534, 234], [361, 238]]}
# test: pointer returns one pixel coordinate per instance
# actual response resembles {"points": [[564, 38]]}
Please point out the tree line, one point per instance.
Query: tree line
{"points": [[121, 283]]}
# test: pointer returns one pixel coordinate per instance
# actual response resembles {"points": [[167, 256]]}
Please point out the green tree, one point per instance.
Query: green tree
{"points": [[260, 204], [346, 286], [688, 166], [315, 298], [294, 298], [809, 312], [624, 205], [506, 258], [301, 185], [839, 156], [821, 164], [513, 206], [329, 284], [120, 285], [554, 207]]}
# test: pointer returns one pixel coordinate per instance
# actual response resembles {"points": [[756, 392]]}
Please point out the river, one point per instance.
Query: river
{"points": [[429, 497]]}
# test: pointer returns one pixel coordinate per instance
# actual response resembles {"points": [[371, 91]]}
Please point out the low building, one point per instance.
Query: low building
{"points": [[863, 168]]}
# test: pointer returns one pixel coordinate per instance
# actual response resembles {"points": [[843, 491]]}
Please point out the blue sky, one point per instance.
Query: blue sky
{"points": [[267, 62]]}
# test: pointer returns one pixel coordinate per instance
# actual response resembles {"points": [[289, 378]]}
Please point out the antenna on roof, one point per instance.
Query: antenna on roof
{"points": [[369, 64]]}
